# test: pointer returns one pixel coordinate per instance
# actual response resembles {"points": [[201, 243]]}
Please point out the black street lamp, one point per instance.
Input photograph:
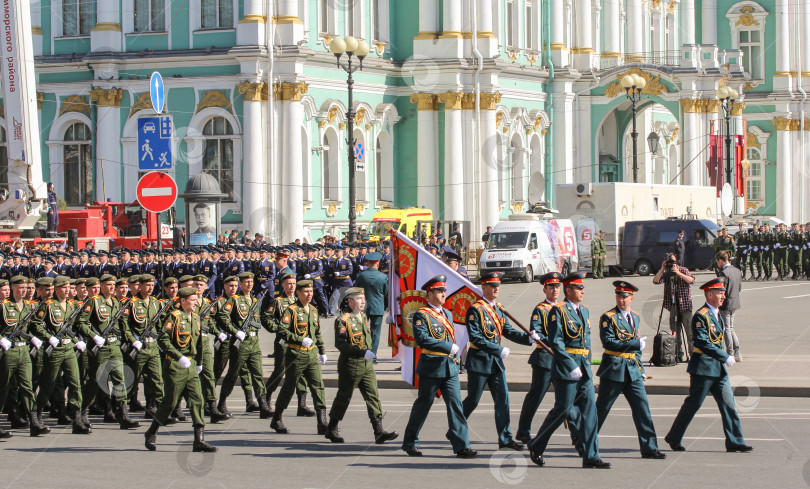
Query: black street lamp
{"points": [[633, 84], [727, 96], [351, 47]]}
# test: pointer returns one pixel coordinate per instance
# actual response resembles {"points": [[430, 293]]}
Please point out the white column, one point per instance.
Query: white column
{"points": [[450, 43], [559, 51], [453, 157], [691, 134], [489, 174], [709, 22], [254, 173], [563, 131], [634, 46], [804, 9], [289, 26], [292, 207], [427, 149], [687, 21], [487, 43], [583, 48], [470, 162], [428, 20], [106, 35], [251, 28], [611, 35], [796, 172], [108, 182]]}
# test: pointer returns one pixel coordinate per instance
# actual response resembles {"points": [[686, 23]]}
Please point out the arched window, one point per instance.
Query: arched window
{"points": [[330, 161], [756, 176], [516, 166], [217, 158], [78, 165], [383, 155], [747, 22], [306, 168]]}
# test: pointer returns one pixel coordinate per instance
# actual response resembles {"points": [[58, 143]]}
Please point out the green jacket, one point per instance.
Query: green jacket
{"points": [[375, 285], [50, 319], [298, 323], [180, 336], [136, 318], [707, 332], [352, 335], [96, 316]]}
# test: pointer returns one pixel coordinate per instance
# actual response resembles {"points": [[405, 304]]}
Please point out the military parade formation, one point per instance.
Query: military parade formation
{"points": [[72, 325]]}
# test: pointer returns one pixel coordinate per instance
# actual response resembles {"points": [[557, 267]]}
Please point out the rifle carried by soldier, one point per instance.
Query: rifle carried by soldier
{"points": [[112, 324], [208, 308], [68, 325], [17, 332], [249, 320], [149, 330]]}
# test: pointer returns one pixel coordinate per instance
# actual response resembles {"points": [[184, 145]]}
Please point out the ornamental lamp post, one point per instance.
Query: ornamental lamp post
{"points": [[351, 47], [633, 84], [727, 97]]}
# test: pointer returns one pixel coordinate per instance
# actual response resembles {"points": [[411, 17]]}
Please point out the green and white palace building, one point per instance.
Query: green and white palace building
{"points": [[473, 108]]}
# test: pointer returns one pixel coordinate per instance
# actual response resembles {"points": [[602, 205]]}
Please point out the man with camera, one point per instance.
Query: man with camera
{"points": [[677, 299]]}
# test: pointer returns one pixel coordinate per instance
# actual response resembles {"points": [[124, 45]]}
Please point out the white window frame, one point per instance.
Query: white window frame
{"points": [[195, 18], [511, 16], [326, 9], [738, 16], [762, 139], [328, 183], [56, 21], [380, 21], [128, 18], [356, 18]]}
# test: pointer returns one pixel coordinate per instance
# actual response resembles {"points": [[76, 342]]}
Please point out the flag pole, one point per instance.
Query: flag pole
{"points": [[514, 320]]}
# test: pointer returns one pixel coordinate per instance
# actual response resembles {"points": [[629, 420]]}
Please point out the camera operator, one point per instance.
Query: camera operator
{"points": [[676, 280]]}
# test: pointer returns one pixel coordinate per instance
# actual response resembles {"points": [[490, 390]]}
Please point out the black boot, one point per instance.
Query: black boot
{"points": [[85, 415], [199, 441], [5, 434], [223, 408], [303, 409], [380, 435], [332, 431], [216, 414], [178, 413], [150, 436], [62, 417], [278, 425], [251, 406], [124, 421], [16, 420], [265, 411], [78, 427], [97, 409], [150, 410], [36, 427], [109, 414], [321, 419], [135, 405], [207, 408]]}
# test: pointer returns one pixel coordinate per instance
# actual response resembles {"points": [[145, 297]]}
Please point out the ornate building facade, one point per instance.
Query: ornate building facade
{"points": [[473, 108]]}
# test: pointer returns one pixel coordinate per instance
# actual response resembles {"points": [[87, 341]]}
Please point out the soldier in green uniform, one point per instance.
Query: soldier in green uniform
{"points": [[48, 322], [766, 248], [487, 325], [797, 243], [743, 245], [708, 373], [621, 371], [301, 330], [208, 329], [15, 365], [180, 341], [138, 314], [723, 242], [434, 333], [271, 320], [93, 321], [234, 315], [780, 252], [355, 370], [755, 244], [806, 250], [598, 255]]}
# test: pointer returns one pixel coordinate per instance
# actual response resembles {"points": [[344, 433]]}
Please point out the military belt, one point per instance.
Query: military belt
{"points": [[629, 356], [578, 351], [149, 340], [300, 347], [111, 339], [431, 352], [204, 335], [252, 333], [66, 341], [697, 350], [20, 343]]}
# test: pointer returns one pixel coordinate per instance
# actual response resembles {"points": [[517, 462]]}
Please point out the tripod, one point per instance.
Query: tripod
{"points": [[674, 325]]}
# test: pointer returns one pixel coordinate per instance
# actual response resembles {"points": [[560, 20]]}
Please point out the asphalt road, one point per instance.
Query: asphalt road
{"points": [[250, 455]]}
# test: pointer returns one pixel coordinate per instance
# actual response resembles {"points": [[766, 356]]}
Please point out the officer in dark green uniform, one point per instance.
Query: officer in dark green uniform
{"points": [[93, 322], [806, 250], [708, 373], [180, 340], [598, 255], [355, 369], [797, 244], [570, 336], [208, 329], [271, 320], [766, 248], [434, 333], [743, 248], [621, 371], [755, 245], [375, 285], [301, 330], [234, 315], [48, 322], [15, 365], [780, 253], [138, 314], [486, 325]]}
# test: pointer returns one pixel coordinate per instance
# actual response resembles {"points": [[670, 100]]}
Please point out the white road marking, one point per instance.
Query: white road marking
{"points": [[774, 287], [796, 296]]}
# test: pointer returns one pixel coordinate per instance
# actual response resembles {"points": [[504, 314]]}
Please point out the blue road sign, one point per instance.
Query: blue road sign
{"points": [[156, 92], [155, 143], [359, 151]]}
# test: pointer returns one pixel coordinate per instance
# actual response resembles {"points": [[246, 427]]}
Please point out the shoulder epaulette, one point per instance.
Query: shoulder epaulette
{"points": [[96, 296], [175, 313], [610, 313], [49, 301], [560, 304], [345, 317]]}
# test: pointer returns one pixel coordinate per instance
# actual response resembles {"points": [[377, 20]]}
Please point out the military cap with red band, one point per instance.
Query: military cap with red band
{"points": [[437, 282], [716, 283]]}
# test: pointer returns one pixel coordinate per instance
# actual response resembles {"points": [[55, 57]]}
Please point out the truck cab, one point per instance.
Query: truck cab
{"points": [[407, 221], [646, 243]]}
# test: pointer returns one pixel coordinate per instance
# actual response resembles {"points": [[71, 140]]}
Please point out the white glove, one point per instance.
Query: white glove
{"points": [[777, 245], [644, 376], [5, 343], [137, 345], [81, 346], [643, 341], [222, 337], [282, 342], [36, 342], [369, 355], [576, 373], [504, 353], [307, 276], [454, 349], [307, 342], [730, 361], [534, 337], [240, 335], [199, 369], [53, 341], [184, 362], [322, 358], [98, 340]]}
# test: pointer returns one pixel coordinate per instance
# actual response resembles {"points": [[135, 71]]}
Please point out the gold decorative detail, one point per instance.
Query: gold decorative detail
{"points": [[543, 132], [468, 101], [653, 87], [359, 208], [738, 108], [654, 4], [327, 39], [331, 211], [425, 101], [253, 19], [2, 110], [253, 92], [286, 19], [674, 135], [276, 92], [144, 101], [537, 121], [421, 36], [368, 127], [751, 140], [532, 57], [36, 30], [486, 35], [331, 116], [360, 116], [786, 124], [517, 207], [498, 119], [490, 100], [785, 73], [321, 124], [671, 6], [634, 58], [214, 98], [40, 100], [747, 20], [75, 103], [451, 35], [107, 27], [342, 126], [451, 100], [700, 106], [581, 50], [107, 98], [379, 46], [291, 92], [557, 46], [610, 54]]}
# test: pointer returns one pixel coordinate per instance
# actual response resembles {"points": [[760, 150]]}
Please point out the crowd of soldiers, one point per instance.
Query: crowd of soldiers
{"points": [[764, 249]]}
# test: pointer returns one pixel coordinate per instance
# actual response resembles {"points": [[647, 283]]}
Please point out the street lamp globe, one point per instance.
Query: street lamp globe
{"points": [[733, 94], [351, 44], [627, 82], [722, 93], [337, 46], [362, 49], [640, 82]]}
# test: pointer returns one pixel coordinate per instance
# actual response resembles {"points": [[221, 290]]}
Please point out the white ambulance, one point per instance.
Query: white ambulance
{"points": [[530, 245]]}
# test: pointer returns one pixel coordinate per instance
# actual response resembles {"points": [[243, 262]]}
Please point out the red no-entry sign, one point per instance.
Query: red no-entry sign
{"points": [[157, 191]]}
